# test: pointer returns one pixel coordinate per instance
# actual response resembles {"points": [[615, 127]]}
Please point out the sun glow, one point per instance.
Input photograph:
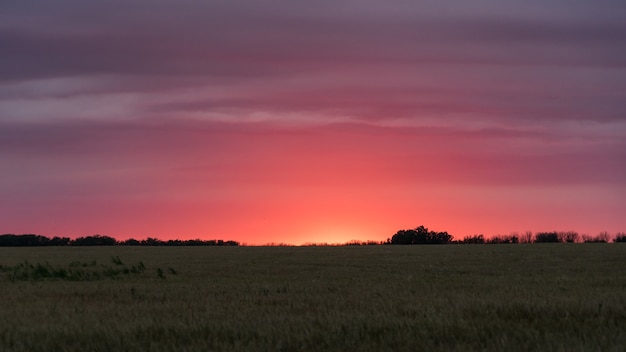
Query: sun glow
{"points": [[332, 234]]}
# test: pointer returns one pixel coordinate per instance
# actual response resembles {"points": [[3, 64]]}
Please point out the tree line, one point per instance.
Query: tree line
{"points": [[418, 235], [421, 235], [11, 240]]}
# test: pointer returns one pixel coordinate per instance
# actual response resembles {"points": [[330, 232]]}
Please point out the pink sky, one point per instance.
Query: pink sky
{"points": [[311, 121]]}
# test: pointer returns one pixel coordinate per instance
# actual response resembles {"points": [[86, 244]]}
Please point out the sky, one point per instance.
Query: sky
{"points": [[311, 121]]}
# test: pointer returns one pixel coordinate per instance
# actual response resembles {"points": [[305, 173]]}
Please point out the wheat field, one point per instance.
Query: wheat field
{"points": [[550, 297]]}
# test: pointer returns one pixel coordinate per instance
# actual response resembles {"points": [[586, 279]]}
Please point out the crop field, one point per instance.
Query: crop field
{"points": [[548, 297]]}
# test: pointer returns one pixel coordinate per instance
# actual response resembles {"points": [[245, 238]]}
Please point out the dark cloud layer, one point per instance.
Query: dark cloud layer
{"points": [[207, 38], [499, 60]]}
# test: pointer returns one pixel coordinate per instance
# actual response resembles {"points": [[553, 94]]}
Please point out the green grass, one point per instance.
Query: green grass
{"points": [[553, 297]]}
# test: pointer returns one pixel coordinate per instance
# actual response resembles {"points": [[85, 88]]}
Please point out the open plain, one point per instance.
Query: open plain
{"points": [[549, 297]]}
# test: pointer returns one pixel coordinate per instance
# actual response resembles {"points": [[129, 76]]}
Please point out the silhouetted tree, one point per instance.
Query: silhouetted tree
{"points": [[503, 239], [476, 239], [514, 237], [11, 240], [527, 237], [195, 242], [619, 237], [151, 241], [569, 236], [60, 241], [420, 235], [602, 237], [131, 242], [24, 240], [547, 237], [175, 243], [95, 240]]}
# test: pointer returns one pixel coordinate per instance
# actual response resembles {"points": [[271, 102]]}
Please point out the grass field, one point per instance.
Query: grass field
{"points": [[552, 297]]}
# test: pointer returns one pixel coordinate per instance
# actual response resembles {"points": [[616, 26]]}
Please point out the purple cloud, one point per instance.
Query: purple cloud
{"points": [[159, 100]]}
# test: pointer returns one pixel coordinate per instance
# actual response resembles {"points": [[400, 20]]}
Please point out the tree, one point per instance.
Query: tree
{"points": [[503, 239], [151, 241], [131, 242], [527, 237], [476, 239], [95, 240], [619, 237], [24, 240], [602, 237], [547, 237], [420, 235], [60, 241], [569, 236]]}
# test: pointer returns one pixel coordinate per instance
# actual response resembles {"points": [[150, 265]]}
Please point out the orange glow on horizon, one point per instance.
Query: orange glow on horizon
{"points": [[319, 185]]}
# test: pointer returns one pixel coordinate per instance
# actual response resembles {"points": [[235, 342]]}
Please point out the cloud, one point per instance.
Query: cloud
{"points": [[413, 62], [233, 104], [224, 40]]}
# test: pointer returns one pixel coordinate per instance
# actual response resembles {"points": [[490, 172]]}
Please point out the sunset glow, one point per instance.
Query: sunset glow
{"points": [[311, 121]]}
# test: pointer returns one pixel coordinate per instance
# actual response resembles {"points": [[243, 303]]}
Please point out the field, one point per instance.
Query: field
{"points": [[551, 297]]}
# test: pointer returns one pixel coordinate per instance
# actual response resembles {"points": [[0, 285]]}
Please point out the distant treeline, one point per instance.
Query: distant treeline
{"points": [[547, 237], [419, 235], [11, 240], [422, 235]]}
